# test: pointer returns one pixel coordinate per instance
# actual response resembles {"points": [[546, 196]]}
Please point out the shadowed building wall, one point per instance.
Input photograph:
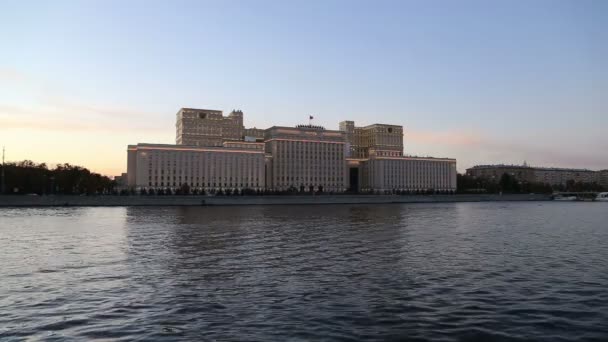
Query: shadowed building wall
{"points": [[546, 175]]}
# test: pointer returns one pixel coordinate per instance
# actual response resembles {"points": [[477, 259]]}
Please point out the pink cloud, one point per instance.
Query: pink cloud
{"points": [[442, 137], [70, 118]]}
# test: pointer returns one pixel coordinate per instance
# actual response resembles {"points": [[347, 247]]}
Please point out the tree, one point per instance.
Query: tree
{"points": [[185, 189], [29, 177]]}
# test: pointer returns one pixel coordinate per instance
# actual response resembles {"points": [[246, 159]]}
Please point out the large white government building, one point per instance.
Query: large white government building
{"points": [[214, 152]]}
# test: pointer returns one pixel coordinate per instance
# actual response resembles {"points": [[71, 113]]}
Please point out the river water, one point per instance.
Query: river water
{"points": [[453, 272]]}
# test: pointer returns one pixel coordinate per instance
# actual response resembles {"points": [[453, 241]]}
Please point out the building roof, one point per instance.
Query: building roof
{"points": [[508, 166], [201, 109]]}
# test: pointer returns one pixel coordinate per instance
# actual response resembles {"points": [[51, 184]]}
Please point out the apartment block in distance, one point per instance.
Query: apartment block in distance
{"points": [[546, 175], [604, 178]]}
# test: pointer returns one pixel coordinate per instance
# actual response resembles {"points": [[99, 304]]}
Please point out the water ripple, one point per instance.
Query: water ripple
{"points": [[440, 272]]}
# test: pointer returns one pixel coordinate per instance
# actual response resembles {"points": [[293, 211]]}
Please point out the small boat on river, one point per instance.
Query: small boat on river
{"points": [[564, 198], [602, 197]]}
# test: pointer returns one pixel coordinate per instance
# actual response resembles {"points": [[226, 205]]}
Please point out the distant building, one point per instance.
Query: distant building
{"points": [[603, 178], [495, 172], [121, 181], [557, 176], [546, 175], [215, 152]]}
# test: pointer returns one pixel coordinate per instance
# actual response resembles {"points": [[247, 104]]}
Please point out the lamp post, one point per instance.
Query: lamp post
{"points": [[2, 190]]}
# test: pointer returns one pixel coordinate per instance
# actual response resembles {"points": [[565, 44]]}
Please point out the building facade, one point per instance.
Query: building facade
{"points": [[545, 175], [383, 173], [557, 176], [306, 158], [495, 172], [382, 138], [205, 127], [214, 152], [236, 165], [603, 178]]}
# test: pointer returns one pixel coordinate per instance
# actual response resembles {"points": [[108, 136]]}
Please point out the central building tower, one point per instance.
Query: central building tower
{"points": [[306, 158], [206, 127]]}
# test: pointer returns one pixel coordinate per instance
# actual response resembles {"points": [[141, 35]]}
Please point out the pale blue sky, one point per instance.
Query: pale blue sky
{"points": [[481, 81]]}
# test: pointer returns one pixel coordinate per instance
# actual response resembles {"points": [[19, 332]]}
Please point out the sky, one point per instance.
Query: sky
{"points": [[480, 81]]}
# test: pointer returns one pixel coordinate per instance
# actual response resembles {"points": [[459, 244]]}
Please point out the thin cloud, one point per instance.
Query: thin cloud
{"points": [[70, 120], [11, 75], [442, 138], [100, 111], [50, 110]]}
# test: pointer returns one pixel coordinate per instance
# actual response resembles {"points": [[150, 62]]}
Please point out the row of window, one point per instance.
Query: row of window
{"points": [[203, 178], [209, 184], [425, 173], [311, 179]]}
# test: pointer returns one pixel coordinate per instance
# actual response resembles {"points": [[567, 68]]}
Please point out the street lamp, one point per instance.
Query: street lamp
{"points": [[2, 188]]}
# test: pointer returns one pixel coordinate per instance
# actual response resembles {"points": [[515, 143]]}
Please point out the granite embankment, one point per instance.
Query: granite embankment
{"points": [[106, 201]]}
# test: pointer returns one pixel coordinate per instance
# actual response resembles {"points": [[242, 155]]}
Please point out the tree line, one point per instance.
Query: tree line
{"points": [[510, 184], [27, 177]]}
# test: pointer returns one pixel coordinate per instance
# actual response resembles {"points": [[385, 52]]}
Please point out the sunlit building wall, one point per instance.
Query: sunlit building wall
{"points": [[379, 137], [305, 157], [216, 152], [384, 173], [236, 165], [205, 127]]}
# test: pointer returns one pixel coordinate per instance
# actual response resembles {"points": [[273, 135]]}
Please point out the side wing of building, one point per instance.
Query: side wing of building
{"points": [[408, 174], [235, 166]]}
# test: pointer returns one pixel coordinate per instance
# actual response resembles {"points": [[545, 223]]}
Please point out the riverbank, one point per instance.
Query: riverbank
{"points": [[113, 201]]}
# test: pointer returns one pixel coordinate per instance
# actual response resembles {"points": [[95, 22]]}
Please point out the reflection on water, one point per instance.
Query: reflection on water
{"points": [[487, 271]]}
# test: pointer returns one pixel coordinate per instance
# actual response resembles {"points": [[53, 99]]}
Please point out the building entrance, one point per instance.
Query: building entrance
{"points": [[353, 179]]}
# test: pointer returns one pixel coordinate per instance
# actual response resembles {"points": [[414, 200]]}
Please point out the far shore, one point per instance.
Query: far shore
{"points": [[114, 200]]}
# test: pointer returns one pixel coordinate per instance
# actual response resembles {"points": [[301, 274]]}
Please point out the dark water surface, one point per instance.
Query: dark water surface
{"points": [[453, 272]]}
